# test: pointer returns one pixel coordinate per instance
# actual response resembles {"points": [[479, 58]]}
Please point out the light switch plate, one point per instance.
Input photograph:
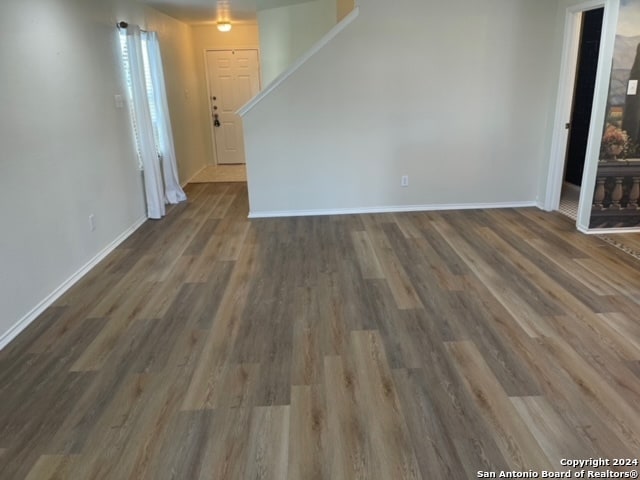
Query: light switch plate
{"points": [[632, 89], [119, 99]]}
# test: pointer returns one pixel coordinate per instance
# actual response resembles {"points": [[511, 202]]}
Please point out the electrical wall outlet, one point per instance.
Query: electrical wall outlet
{"points": [[404, 181], [92, 223]]}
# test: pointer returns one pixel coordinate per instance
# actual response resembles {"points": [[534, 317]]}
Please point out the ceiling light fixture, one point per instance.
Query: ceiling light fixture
{"points": [[224, 26]]}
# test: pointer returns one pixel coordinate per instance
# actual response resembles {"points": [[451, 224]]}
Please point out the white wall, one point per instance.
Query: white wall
{"points": [[67, 151], [207, 37], [288, 32], [455, 94], [183, 87]]}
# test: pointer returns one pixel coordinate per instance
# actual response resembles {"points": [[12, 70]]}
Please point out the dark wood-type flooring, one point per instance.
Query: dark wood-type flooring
{"points": [[420, 345]]}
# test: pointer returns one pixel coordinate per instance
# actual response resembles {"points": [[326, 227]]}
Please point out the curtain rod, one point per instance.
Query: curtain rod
{"points": [[125, 25]]}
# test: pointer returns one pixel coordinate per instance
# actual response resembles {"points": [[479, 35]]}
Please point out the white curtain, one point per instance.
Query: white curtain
{"points": [[158, 157], [172, 190]]}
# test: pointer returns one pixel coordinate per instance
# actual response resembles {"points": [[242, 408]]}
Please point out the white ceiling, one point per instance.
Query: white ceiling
{"points": [[208, 11]]}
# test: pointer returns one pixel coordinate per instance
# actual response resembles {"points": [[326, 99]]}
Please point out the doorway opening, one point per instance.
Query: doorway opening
{"points": [[233, 78], [581, 107]]}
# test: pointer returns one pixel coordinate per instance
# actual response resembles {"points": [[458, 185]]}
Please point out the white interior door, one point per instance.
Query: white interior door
{"points": [[234, 79]]}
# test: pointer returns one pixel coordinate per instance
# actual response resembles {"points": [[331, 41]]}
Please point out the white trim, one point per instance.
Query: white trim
{"points": [[570, 47], [606, 231], [398, 209], [212, 129], [599, 111], [582, 227], [212, 133], [341, 25], [25, 321]]}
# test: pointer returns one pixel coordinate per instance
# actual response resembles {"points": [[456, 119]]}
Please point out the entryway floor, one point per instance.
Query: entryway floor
{"points": [[569, 201], [222, 174]]}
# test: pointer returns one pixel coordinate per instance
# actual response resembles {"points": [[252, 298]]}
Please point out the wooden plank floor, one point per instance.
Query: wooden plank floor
{"points": [[421, 345], [627, 242]]}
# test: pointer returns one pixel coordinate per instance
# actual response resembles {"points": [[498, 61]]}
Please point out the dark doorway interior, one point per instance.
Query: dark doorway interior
{"points": [[583, 94]]}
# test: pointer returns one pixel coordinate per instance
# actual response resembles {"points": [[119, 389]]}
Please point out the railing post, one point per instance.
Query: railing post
{"points": [[634, 194], [598, 197], [616, 195]]}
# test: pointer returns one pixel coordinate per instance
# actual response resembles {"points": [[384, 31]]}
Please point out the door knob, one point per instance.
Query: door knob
{"points": [[216, 121]]}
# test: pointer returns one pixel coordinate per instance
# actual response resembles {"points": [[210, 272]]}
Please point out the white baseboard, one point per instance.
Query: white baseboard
{"points": [[541, 206], [605, 231], [25, 321], [398, 209]]}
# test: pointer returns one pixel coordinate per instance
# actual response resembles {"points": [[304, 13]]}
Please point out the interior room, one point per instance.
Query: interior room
{"points": [[319, 239]]}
